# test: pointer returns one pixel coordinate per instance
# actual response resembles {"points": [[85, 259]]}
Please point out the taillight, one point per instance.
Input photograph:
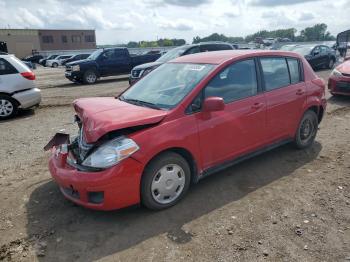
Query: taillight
{"points": [[28, 75], [319, 82]]}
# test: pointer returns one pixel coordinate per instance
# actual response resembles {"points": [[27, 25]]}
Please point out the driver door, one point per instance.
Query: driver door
{"points": [[240, 127], [316, 57]]}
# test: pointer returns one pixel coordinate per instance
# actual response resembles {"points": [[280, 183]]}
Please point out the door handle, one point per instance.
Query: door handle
{"points": [[300, 92], [257, 105]]}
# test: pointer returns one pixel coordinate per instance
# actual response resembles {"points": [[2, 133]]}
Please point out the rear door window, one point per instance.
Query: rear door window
{"points": [[236, 82], [193, 50], [294, 70], [208, 48], [6, 68], [275, 72], [120, 54], [224, 47]]}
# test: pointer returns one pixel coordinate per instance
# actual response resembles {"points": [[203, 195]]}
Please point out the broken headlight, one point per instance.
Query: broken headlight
{"points": [[111, 153]]}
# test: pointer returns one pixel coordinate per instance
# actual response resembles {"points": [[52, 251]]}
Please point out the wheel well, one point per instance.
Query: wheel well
{"points": [[319, 112], [6, 94], [187, 156]]}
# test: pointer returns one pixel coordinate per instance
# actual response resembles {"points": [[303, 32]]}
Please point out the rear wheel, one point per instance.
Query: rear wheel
{"points": [[90, 77], [8, 107], [165, 181], [307, 130]]}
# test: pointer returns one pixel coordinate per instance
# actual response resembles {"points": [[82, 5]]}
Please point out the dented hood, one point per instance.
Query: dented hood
{"points": [[102, 115]]}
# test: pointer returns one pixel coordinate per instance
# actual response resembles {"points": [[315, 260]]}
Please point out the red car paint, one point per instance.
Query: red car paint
{"points": [[340, 85], [98, 116], [209, 138]]}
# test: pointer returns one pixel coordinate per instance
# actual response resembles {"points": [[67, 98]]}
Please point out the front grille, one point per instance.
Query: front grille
{"points": [[136, 73], [68, 68], [343, 87]]}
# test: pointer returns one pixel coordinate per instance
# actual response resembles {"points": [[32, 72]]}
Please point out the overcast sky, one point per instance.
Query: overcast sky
{"points": [[120, 21]]}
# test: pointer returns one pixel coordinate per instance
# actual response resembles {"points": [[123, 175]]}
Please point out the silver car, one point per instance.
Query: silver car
{"points": [[17, 87]]}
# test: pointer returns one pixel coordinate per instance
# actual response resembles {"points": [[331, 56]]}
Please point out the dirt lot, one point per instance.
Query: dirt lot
{"points": [[285, 205]]}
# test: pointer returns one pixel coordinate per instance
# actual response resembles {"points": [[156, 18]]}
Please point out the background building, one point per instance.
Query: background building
{"points": [[24, 42]]}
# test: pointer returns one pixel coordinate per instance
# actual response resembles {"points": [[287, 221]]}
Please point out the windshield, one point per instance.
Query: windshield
{"points": [[303, 50], [172, 54], [166, 86], [95, 54]]}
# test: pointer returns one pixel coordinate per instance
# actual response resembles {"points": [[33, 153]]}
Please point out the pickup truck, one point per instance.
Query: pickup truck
{"points": [[105, 62]]}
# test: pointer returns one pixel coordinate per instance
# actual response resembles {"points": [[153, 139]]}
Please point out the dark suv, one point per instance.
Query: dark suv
{"points": [[141, 70]]}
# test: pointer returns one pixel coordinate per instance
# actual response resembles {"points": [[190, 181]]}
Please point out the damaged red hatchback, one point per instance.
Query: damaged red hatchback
{"points": [[185, 120]]}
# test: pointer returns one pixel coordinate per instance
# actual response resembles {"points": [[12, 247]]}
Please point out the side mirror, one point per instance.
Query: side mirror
{"points": [[212, 104], [316, 53]]}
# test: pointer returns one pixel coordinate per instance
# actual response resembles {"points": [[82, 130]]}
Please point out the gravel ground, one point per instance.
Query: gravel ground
{"points": [[285, 205]]}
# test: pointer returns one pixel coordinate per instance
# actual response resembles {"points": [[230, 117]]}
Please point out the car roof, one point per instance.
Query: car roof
{"points": [[219, 57]]}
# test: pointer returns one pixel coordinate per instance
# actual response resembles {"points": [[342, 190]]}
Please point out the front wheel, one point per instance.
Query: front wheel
{"points": [[90, 77], [307, 130], [8, 107], [54, 65], [165, 181], [331, 63]]}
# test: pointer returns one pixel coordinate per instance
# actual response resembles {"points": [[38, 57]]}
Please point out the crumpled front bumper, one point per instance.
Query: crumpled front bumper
{"points": [[119, 186]]}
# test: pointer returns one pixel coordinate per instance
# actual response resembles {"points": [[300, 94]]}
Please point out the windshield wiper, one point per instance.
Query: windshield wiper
{"points": [[139, 102]]}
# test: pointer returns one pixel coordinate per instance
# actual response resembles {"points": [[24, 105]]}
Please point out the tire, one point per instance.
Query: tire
{"points": [[54, 65], [331, 63], [90, 77], [8, 107], [307, 130], [158, 188]]}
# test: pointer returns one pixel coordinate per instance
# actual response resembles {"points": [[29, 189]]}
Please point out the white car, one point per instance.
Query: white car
{"points": [[57, 61], [17, 87]]}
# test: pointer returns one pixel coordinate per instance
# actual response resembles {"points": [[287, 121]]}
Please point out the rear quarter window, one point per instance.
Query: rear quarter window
{"points": [[294, 70], [6, 68]]}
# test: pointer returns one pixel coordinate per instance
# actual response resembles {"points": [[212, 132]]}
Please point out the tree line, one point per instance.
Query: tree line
{"points": [[159, 43], [317, 32]]}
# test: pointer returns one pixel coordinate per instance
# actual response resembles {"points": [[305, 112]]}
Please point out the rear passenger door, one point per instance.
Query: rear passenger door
{"points": [[285, 92], [240, 127], [122, 62]]}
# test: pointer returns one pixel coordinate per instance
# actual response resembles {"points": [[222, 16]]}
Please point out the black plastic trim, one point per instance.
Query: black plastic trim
{"points": [[239, 159]]}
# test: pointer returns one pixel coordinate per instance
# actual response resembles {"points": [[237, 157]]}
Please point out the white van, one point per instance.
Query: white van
{"points": [[17, 87]]}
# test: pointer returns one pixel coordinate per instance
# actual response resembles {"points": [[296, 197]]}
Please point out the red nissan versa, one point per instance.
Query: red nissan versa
{"points": [[185, 120], [339, 81]]}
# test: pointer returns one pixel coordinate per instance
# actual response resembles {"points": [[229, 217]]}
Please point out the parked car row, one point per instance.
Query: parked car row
{"points": [[60, 60]]}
